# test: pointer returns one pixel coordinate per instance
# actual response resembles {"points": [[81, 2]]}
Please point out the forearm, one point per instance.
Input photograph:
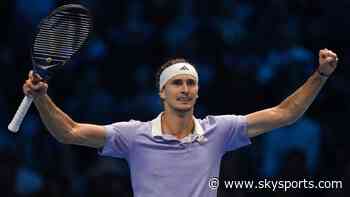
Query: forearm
{"points": [[294, 106], [297, 103], [59, 124]]}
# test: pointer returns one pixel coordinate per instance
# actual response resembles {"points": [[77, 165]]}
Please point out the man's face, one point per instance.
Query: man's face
{"points": [[180, 93]]}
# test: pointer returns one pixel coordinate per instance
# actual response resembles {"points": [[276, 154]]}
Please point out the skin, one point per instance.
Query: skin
{"points": [[177, 117], [179, 94]]}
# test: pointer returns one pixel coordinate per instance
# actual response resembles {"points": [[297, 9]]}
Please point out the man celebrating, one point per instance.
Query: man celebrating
{"points": [[176, 154]]}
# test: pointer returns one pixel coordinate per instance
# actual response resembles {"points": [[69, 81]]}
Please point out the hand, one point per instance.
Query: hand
{"points": [[34, 86], [328, 62]]}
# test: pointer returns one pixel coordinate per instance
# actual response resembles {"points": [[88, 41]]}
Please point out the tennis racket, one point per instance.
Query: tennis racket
{"points": [[59, 37]]}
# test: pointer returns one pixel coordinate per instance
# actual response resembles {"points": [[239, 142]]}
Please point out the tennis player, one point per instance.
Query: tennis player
{"points": [[176, 154]]}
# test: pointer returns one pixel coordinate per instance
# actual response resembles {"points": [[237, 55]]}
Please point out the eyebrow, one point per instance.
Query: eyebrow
{"points": [[181, 80]]}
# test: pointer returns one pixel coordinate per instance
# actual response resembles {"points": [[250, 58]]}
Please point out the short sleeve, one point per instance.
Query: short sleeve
{"points": [[234, 129], [118, 139]]}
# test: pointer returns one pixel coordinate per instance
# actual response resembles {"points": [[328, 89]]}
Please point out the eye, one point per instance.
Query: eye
{"points": [[191, 82], [177, 82]]}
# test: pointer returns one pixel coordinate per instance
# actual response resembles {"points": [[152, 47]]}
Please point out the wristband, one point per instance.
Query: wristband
{"points": [[322, 74]]}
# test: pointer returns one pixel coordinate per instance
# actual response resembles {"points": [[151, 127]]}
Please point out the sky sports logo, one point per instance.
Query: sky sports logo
{"points": [[280, 185]]}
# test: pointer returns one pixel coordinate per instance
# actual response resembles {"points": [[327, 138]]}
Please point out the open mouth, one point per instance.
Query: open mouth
{"points": [[184, 99]]}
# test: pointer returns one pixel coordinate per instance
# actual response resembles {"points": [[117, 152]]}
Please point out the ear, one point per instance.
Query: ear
{"points": [[162, 94], [197, 96]]}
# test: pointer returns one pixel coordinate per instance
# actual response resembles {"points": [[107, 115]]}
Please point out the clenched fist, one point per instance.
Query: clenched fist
{"points": [[34, 86], [328, 62]]}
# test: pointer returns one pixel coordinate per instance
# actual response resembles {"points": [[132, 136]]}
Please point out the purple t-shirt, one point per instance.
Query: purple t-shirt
{"points": [[163, 166]]}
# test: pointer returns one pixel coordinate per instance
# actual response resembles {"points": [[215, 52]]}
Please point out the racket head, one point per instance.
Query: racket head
{"points": [[60, 36]]}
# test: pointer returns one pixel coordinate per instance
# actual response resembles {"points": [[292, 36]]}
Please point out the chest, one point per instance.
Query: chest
{"points": [[170, 158]]}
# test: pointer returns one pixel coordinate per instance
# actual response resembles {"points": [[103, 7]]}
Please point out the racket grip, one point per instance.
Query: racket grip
{"points": [[21, 112]]}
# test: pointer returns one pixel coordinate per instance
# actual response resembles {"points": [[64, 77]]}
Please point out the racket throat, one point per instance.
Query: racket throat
{"points": [[44, 73]]}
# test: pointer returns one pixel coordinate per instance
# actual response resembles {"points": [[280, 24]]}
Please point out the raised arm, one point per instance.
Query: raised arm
{"points": [[294, 106], [59, 124]]}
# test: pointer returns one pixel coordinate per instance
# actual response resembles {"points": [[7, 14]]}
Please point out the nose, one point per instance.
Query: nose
{"points": [[184, 88]]}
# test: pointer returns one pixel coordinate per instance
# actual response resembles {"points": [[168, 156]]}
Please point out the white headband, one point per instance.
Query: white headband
{"points": [[177, 69]]}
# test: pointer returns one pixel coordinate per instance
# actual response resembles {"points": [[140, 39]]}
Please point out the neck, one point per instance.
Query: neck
{"points": [[178, 124]]}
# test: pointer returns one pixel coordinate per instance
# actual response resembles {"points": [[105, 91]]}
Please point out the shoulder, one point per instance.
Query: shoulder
{"points": [[131, 126], [222, 123], [220, 119], [126, 124]]}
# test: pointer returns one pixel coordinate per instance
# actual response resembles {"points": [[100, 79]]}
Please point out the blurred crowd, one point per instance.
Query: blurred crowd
{"points": [[250, 55]]}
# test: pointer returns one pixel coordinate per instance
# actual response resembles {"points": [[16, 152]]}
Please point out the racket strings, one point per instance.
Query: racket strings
{"points": [[65, 33], [61, 36]]}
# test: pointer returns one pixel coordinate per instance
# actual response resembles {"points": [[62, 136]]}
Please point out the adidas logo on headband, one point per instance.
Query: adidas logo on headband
{"points": [[177, 69], [184, 68]]}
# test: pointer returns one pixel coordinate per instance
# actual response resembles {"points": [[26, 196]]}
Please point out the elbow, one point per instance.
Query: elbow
{"points": [[62, 140], [288, 117], [291, 121], [65, 139], [68, 137], [294, 118]]}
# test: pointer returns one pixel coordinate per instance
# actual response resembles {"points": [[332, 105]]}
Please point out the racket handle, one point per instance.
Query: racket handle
{"points": [[21, 112]]}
